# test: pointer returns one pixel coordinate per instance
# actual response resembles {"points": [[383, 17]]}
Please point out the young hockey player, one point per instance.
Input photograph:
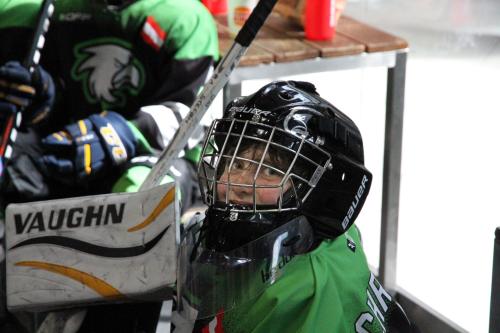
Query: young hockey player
{"points": [[116, 77], [283, 174]]}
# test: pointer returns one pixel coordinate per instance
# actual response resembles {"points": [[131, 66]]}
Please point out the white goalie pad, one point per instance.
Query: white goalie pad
{"points": [[75, 251]]}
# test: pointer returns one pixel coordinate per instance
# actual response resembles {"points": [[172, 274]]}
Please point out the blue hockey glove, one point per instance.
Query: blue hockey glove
{"points": [[89, 148], [20, 89], [44, 98]]}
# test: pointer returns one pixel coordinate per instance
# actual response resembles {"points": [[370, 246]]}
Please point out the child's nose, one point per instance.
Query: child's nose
{"points": [[243, 176]]}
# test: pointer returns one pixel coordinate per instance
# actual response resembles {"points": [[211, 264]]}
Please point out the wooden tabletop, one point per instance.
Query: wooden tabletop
{"points": [[282, 40]]}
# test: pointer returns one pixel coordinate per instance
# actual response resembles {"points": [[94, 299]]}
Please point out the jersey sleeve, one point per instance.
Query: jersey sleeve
{"points": [[17, 17], [190, 49]]}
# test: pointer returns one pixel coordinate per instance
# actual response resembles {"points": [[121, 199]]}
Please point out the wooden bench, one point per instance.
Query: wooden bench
{"points": [[281, 40]]}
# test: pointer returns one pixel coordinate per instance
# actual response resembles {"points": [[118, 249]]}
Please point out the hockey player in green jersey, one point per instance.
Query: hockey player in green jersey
{"points": [[116, 77], [141, 61], [283, 174]]}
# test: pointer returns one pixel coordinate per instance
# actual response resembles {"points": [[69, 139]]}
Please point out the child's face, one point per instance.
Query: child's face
{"points": [[245, 173]]}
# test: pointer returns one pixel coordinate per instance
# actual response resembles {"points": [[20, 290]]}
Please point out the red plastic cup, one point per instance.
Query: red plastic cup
{"points": [[216, 7], [320, 19]]}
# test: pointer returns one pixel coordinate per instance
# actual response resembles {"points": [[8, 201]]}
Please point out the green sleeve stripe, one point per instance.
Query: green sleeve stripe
{"points": [[140, 137], [193, 154], [132, 179]]}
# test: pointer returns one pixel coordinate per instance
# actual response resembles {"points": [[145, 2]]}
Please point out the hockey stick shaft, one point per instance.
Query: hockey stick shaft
{"points": [[9, 133], [210, 90]]}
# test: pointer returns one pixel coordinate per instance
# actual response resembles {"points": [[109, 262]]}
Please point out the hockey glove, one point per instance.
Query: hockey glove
{"points": [[34, 93], [89, 148]]}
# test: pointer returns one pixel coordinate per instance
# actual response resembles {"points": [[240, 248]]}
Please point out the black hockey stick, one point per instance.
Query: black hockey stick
{"points": [[203, 101], [218, 80], [9, 133]]}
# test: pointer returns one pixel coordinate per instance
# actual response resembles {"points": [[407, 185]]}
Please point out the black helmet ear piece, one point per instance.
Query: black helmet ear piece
{"points": [[338, 198]]}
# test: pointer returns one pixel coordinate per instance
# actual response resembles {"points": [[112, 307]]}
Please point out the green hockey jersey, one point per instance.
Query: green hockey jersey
{"points": [[330, 289], [150, 52]]}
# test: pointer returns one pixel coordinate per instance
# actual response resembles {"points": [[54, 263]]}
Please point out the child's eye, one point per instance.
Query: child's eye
{"points": [[238, 165], [268, 172]]}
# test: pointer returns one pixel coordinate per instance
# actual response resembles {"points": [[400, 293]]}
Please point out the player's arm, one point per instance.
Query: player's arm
{"points": [[188, 52], [17, 19], [183, 40]]}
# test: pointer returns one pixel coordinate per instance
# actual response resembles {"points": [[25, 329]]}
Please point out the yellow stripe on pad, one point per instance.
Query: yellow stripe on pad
{"points": [[101, 287], [57, 136], [21, 87], [83, 127], [164, 203], [87, 158]]}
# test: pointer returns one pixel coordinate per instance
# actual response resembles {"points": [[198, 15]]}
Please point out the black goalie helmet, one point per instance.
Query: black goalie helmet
{"points": [[279, 153], [282, 169]]}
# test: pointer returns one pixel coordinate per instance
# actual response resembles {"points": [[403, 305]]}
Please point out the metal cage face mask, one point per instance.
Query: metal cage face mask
{"points": [[254, 167]]}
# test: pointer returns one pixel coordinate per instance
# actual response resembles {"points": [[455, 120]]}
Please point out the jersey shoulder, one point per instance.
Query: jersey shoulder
{"points": [[190, 28], [18, 13]]}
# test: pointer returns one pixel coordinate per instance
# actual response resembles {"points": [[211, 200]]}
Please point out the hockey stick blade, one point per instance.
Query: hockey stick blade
{"points": [[215, 84], [9, 132]]}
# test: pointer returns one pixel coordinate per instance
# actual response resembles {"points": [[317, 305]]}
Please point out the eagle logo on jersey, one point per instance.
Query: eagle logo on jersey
{"points": [[107, 71]]}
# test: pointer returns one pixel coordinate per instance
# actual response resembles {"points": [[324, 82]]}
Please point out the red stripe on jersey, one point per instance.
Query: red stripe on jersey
{"points": [[153, 34], [215, 325], [219, 328]]}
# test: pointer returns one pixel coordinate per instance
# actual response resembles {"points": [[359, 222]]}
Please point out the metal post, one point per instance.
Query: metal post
{"points": [[392, 170], [3, 276], [230, 92], [495, 286]]}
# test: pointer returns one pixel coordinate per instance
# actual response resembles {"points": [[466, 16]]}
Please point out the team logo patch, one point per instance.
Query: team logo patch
{"points": [[108, 71], [153, 34], [351, 245]]}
